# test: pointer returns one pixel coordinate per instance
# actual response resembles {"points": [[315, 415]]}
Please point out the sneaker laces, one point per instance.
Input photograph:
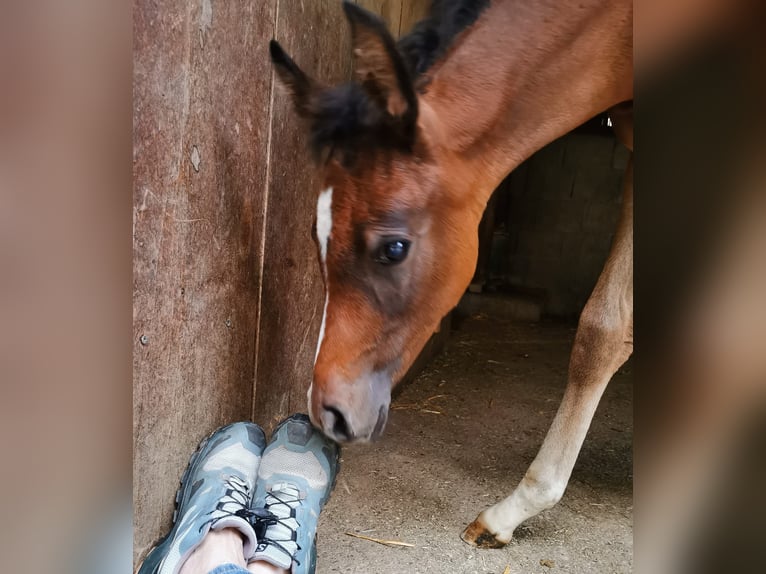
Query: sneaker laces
{"points": [[234, 502], [276, 526]]}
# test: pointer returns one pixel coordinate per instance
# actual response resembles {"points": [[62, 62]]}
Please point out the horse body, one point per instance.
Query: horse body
{"points": [[408, 168]]}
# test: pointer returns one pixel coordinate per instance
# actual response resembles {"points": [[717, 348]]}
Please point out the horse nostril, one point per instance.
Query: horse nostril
{"points": [[337, 422]]}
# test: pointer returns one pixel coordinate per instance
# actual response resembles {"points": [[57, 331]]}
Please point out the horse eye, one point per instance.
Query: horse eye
{"points": [[394, 252]]}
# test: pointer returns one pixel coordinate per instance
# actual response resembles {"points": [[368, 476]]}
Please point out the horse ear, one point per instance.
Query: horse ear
{"points": [[301, 87], [378, 65]]}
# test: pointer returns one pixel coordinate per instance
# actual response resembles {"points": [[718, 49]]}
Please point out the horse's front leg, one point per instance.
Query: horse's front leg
{"points": [[603, 342]]}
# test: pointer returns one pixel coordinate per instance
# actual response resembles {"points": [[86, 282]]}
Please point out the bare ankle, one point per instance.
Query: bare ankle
{"points": [[218, 547]]}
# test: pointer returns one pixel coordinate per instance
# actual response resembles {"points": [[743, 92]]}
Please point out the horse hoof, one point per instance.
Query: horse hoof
{"points": [[477, 535]]}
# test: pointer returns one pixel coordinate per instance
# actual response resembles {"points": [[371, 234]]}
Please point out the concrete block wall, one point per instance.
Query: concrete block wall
{"points": [[560, 211]]}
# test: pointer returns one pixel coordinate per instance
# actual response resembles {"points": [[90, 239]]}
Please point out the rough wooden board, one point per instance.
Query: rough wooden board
{"points": [[201, 101], [316, 35], [389, 10], [400, 15], [412, 12], [203, 122]]}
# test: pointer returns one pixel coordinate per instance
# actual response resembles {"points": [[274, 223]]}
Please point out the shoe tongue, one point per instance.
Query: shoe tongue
{"points": [[282, 497], [274, 556], [245, 528]]}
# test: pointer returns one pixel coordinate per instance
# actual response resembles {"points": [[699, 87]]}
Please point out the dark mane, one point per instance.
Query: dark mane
{"points": [[430, 38], [347, 120]]}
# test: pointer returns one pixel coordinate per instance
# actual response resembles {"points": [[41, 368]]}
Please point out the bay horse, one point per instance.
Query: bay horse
{"points": [[409, 153]]}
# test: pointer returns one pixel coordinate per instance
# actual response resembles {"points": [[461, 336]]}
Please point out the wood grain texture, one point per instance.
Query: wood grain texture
{"points": [[201, 107], [227, 290], [389, 10], [400, 15], [412, 12], [316, 35]]}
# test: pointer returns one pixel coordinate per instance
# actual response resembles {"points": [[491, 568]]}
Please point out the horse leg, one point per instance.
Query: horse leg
{"points": [[603, 342]]}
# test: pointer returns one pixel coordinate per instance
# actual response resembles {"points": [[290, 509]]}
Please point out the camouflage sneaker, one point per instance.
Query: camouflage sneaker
{"points": [[295, 479], [216, 492]]}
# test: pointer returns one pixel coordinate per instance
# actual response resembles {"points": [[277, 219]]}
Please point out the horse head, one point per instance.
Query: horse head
{"points": [[397, 242]]}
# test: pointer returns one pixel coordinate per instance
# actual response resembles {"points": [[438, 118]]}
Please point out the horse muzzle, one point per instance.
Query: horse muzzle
{"points": [[351, 411]]}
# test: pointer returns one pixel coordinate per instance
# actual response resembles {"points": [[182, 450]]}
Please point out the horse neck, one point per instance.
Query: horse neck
{"points": [[527, 72]]}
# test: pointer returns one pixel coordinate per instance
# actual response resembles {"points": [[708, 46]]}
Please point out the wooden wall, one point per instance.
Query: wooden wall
{"points": [[227, 291]]}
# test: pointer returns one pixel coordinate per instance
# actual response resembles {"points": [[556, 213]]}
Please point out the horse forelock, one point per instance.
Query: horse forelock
{"points": [[346, 121]]}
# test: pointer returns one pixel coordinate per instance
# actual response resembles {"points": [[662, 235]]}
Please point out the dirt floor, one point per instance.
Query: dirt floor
{"points": [[459, 438]]}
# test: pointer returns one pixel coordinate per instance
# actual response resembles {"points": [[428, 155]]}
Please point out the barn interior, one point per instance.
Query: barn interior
{"points": [[469, 419], [228, 300]]}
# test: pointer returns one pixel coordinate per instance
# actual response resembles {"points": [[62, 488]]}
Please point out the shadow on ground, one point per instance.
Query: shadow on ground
{"points": [[459, 438]]}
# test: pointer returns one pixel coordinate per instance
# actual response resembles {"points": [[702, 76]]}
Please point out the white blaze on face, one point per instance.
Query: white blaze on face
{"points": [[324, 222], [321, 329], [324, 228]]}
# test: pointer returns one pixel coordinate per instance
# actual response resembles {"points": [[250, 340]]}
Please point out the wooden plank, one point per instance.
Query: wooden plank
{"points": [[316, 35], [400, 15], [389, 10], [202, 81], [412, 12]]}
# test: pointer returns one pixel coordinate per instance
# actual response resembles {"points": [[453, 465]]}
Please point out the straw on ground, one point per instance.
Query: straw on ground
{"points": [[380, 541]]}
